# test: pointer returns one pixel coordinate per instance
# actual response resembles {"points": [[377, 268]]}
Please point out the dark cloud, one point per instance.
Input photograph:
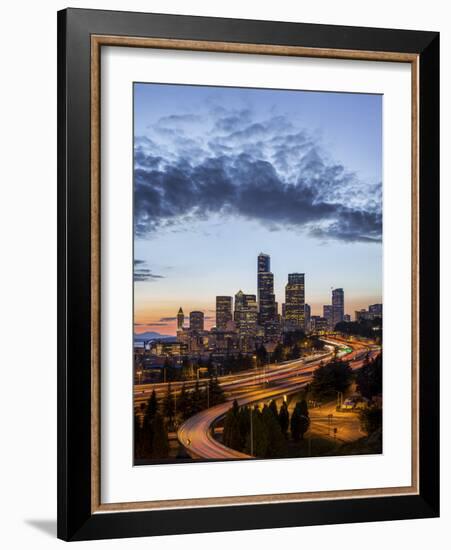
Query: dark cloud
{"points": [[268, 171], [141, 274], [167, 319]]}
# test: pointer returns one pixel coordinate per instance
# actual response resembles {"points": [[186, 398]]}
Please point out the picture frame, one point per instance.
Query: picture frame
{"points": [[81, 36]]}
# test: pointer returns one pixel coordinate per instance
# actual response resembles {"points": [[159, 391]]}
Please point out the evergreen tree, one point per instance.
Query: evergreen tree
{"points": [[210, 367], [231, 427], [168, 405], [244, 424], [184, 403], [295, 352], [275, 439], [278, 354], [138, 440], [284, 419], [371, 419], [330, 378], [160, 442], [300, 420], [262, 356], [273, 408], [197, 399], [369, 377], [187, 370], [151, 409], [259, 447], [216, 392]]}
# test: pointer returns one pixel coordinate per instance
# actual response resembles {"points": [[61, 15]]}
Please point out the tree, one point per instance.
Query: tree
{"points": [[170, 369], [262, 356], [300, 420], [275, 440], [278, 354], [151, 409], [197, 399], [259, 445], [273, 408], [371, 419], [369, 378], [187, 369], [215, 391], [160, 443], [184, 405], [368, 328], [169, 405], [138, 436], [284, 419], [316, 343], [294, 337], [210, 367], [328, 379], [295, 352], [231, 435]]}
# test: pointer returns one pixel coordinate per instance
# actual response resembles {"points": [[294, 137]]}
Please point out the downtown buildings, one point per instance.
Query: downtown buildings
{"points": [[246, 321]]}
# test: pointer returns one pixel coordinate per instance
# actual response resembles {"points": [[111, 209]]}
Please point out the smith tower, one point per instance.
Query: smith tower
{"points": [[180, 319], [267, 307]]}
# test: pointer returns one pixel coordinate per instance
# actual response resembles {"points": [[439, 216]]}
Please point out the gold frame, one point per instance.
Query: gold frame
{"points": [[97, 41]]}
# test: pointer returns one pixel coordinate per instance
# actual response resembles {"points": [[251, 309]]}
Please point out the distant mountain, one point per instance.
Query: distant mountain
{"points": [[145, 336]]}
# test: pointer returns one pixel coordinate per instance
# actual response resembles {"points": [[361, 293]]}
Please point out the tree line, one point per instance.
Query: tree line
{"points": [[150, 431], [367, 328], [151, 427], [264, 433]]}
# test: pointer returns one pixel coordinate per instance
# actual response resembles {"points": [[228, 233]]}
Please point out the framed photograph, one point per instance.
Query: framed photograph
{"points": [[248, 274]]}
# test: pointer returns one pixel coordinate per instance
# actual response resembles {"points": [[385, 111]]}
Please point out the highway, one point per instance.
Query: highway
{"points": [[231, 381], [195, 433]]}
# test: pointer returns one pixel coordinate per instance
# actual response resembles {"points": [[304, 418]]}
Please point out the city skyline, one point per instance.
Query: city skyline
{"points": [[168, 325], [221, 173], [294, 312]]}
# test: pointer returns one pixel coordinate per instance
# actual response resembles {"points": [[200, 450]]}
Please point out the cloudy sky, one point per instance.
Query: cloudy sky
{"points": [[222, 174]]}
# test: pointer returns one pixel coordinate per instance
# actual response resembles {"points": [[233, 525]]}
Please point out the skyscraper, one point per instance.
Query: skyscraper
{"points": [[328, 315], [180, 319], [196, 320], [267, 307], [223, 311], [263, 263], [295, 302], [338, 306], [246, 313]]}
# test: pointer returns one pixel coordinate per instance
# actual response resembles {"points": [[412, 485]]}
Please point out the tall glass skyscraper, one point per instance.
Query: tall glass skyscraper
{"points": [[196, 320], [328, 314], [295, 302], [246, 313], [223, 311], [267, 307], [338, 306]]}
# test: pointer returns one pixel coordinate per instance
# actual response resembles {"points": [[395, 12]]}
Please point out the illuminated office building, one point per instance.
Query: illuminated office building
{"points": [[295, 302], [223, 311]]}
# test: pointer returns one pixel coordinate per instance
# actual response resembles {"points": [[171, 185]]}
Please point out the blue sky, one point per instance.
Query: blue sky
{"points": [[222, 174]]}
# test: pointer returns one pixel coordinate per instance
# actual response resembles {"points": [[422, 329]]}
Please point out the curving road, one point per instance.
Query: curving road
{"points": [[195, 433]]}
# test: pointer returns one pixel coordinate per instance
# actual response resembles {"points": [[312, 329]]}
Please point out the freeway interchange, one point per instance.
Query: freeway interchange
{"points": [[254, 386]]}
